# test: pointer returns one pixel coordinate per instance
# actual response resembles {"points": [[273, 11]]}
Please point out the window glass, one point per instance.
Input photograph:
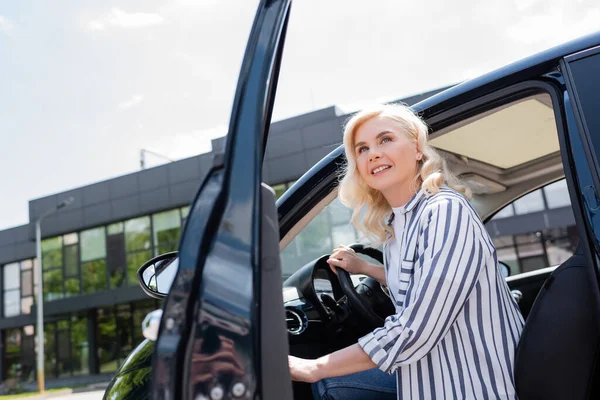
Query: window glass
{"points": [[13, 353], [27, 283], [71, 259], [134, 262], [185, 211], [319, 237], [72, 287], [529, 203], [71, 238], [50, 349], [79, 346], [26, 303], [107, 340], [137, 234], [53, 284], [94, 276], [12, 303], [279, 190], [93, 244], [116, 259], [585, 76], [52, 252], [11, 276], [507, 211], [557, 194], [26, 264], [113, 229], [167, 228]]}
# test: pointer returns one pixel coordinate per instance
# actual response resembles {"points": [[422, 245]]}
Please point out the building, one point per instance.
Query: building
{"points": [[91, 250]]}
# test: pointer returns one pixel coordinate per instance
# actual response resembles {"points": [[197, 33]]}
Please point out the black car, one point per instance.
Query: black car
{"points": [[227, 326]]}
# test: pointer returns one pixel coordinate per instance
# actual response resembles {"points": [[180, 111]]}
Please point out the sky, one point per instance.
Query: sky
{"points": [[85, 85]]}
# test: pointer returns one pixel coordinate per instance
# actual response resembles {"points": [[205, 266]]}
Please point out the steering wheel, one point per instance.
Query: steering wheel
{"points": [[357, 302]]}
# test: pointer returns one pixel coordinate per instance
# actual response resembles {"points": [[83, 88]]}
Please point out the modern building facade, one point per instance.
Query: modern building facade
{"points": [[91, 250]]}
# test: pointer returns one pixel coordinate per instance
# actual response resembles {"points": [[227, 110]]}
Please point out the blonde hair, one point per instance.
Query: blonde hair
{"points": [[371, 211]]}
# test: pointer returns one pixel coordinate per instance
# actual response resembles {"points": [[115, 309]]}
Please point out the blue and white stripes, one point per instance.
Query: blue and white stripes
{"points": [[456, 325]]}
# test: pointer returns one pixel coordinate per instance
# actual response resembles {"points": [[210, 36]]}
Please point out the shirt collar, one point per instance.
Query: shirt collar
{"points": [[409, 206]]}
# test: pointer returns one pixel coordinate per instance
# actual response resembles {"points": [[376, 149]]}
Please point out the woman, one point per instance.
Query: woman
{"points": [[456, 326]]}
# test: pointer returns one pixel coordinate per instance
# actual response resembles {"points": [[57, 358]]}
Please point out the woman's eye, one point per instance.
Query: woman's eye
{"points": [[362, 150], [386, 139]]}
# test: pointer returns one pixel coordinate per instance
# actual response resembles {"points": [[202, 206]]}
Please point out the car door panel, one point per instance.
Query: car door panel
{"points": [[209, 343]]}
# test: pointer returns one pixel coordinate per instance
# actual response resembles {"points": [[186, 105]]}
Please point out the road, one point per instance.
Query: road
{"points": [[95, 395]]}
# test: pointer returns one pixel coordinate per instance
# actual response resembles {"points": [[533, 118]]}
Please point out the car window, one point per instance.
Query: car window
{"points": [[328, 229], [535, 231]]}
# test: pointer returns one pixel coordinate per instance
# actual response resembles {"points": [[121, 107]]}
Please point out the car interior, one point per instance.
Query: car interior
{"points": [[502, 153]]}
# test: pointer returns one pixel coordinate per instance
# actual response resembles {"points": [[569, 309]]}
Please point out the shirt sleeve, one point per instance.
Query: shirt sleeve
{"points": [[453, 248]]}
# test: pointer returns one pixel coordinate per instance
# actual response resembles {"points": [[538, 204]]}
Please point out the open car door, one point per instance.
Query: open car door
{"points": [[223, 334]]}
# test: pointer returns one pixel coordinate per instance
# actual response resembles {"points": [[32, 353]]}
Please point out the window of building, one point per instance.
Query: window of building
{"points": [[166, 228], [119, 332], [19, 359], [66, 346], [557, 194], [18, 288], [116, 258], [138, 244], [93, 260], [529, 203], [12, 292], [507, 211], [52, 268]]}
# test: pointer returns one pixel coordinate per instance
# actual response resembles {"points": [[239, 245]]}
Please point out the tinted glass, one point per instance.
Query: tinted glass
{"points": [[529, 203], [134, 262], [94, 276], [93, 244], [53, 284], [11, 276], [79, 346], [557, 194], [71, 260], [52, 252], [107, 340], [587, 83], [12, 303], [27, 283], [166, 226], [137, 234]]}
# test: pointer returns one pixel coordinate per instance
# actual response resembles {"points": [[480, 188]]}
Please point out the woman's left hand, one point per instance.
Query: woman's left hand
{"points": [[303, 370]]}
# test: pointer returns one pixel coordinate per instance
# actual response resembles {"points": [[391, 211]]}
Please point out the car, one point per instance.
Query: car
{"points": [[226, 326]]}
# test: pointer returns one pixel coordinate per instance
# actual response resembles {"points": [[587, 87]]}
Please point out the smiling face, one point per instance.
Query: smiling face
{"points": [[386, 158]]}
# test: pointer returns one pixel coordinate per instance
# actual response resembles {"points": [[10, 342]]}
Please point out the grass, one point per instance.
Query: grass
{"points": [[28, 394]]}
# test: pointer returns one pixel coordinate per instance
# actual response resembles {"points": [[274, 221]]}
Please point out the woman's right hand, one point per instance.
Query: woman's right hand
{"points": [[346, 258]]}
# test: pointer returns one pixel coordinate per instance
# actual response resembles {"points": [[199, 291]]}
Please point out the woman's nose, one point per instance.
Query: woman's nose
{"points": [[374, 156]]}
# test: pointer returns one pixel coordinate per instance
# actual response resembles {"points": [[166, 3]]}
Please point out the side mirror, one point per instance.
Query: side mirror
{"points": [[156, 275], [504, 269]]}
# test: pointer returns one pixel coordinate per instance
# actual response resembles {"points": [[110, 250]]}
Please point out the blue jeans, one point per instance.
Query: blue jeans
{"points": [[365, 385]]}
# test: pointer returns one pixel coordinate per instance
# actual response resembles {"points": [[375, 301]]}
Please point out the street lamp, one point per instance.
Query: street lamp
{"points": [[40, 300]]}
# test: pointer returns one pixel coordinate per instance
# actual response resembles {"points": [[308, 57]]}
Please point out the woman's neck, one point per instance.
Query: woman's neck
{"points": [[399, 196]]}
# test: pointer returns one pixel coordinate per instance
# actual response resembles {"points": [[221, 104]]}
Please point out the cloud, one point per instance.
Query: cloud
{"points": [[5, 25], [122, 19], [133, 101]]}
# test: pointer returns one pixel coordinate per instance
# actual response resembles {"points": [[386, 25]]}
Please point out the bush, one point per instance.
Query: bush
{"points": [[10, 386]]}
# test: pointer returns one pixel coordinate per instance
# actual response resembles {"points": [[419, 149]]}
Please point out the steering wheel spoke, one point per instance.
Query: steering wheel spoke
{"points": [[359, 302]]}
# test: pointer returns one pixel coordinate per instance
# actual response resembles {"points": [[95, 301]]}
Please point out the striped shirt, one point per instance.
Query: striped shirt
{"points": [[456, 326]]}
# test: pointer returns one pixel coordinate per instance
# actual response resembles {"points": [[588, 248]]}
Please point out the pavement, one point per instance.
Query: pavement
{"points": [[94, 395]]}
